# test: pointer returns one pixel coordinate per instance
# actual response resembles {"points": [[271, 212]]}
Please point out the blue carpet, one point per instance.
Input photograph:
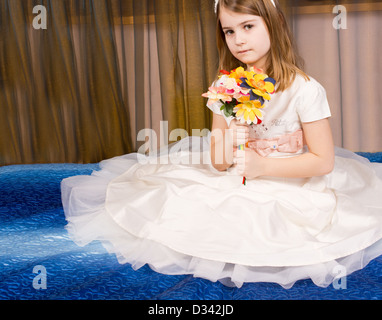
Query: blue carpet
{"points": [[33, 235]]}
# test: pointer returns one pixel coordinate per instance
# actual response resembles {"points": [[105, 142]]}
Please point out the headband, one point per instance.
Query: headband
{"points": [[217, 2]]}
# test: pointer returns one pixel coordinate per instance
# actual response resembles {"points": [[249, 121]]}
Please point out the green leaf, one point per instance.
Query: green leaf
{"points": [[228, 110]]}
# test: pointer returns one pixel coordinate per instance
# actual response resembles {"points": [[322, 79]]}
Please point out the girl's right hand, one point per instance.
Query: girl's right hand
{"points": [[239, 132]]}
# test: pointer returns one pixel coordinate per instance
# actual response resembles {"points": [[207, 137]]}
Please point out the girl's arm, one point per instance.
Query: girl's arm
{"points": [[224, 140], [221, 151], [317, 162]]}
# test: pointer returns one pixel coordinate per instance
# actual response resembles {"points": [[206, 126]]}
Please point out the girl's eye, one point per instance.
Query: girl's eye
{"points": [[248, 26], [228, 32]]}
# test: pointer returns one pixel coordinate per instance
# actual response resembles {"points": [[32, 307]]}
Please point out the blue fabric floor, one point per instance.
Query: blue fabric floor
{"points": [[33, 239]]}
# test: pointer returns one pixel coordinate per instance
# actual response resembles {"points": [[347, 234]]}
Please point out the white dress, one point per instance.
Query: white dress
{"points": [[178, 214]]}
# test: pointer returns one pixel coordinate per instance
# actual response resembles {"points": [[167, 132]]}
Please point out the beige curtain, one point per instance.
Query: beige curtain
{"points": [[342, 49], [105, 70]]}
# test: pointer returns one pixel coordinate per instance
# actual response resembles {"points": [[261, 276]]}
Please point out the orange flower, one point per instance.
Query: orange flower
{"points": [[237, 74]]}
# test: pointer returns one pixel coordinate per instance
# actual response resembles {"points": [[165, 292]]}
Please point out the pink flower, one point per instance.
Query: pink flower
{"points": [[215, 94]]}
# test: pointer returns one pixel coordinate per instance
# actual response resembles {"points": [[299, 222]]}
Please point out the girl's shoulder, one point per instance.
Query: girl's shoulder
{"points": [[306, 87], [310, 99]]}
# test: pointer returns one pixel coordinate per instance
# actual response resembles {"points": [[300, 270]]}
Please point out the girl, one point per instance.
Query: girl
{"points": [[304, 213], [255, 42]]}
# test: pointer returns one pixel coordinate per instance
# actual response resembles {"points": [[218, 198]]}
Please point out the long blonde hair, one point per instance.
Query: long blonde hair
{"points": [[283, 63]]}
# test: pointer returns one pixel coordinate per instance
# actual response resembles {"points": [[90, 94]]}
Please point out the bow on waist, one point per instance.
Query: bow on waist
{"points": [[289, 143]]}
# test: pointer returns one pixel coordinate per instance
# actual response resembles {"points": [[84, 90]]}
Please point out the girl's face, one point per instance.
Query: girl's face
{"points": [[247, 37]]}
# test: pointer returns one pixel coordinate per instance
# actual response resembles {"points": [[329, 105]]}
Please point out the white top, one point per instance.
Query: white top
{"points": [[303, 101]]}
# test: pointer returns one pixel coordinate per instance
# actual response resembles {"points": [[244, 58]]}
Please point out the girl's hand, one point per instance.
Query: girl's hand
{"points": [[239, 133], [249, 163]]}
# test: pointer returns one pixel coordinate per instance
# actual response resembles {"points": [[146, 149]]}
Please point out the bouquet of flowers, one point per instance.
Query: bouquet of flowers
{"points": [[242, 94]]}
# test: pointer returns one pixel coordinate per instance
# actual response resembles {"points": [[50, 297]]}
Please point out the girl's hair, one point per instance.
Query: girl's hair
{"points": [[283, 63]]}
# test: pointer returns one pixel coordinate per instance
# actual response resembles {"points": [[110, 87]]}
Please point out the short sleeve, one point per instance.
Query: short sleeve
{"points": [[313, 104], [215, 107]]}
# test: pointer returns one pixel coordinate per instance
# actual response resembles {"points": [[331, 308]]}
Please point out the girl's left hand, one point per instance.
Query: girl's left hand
{"points": [[249, 163]]}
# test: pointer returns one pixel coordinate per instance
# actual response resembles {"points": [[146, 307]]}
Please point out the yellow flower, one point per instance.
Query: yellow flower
{"points": [[248, 111]]}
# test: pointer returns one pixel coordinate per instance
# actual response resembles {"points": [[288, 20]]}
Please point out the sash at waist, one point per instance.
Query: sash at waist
{"points": [[289, 143]]}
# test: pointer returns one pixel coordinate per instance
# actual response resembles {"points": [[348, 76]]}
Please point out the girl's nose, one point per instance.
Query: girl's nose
{"points": [[240, 39]]}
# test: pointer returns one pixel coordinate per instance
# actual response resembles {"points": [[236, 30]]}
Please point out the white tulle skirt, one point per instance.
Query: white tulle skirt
{"points": [[175, 212]]}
